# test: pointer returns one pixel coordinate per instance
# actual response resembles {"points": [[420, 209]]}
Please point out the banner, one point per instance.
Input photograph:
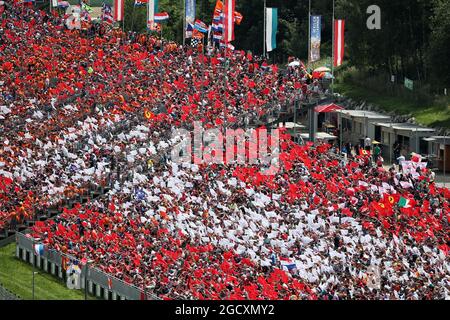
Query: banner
{"points": [[339, 43], [229, 20], [39, 249], [152, 8], [200, 26], [271, 28], [190, 17], [73, 273], [315, 38], [409, 84], [161, 17], [118, 10]]}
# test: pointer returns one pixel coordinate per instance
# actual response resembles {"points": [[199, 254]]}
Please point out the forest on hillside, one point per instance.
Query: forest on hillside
{"points": [[413, 42]]}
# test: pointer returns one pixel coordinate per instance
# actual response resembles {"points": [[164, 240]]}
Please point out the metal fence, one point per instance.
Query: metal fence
{"points": [[99, 283]]}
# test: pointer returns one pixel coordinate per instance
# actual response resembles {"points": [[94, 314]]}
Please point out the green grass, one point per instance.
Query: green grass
{"points": [[16, 276], [434, 115]]}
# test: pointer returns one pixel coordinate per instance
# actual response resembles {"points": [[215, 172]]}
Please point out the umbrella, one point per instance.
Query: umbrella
{"points": [[322, 69], [294, 63]]}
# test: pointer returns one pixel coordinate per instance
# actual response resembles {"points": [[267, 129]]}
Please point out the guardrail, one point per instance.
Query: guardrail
{"points": [[99, 283]]}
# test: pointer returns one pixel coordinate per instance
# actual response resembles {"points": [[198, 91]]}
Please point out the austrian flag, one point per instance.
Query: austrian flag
{"points": [[338, 42], [118, 10], [229, 20]]}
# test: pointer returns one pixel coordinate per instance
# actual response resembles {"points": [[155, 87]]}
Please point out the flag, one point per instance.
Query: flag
{"points": [[39, 249], [61, 4], [229, 20], [106, 14], [197, 34], [152, 8], [406, 203], [161, 17], [138, 3], [288, 265], [217, 27], [218, 18], [338, 42], [85, 16], [363, 152], [391, 199], [315, 38], [271, 28], [229, 46], [217, 37], [118, 10], [405, 185], [238, 17], [195, 42], [86, 7], [189, 16], [148, 114], [218, 9], [106, 8], [200, 26]]}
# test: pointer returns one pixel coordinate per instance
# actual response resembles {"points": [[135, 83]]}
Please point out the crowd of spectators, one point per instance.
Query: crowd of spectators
{"points": [[78, 110]]}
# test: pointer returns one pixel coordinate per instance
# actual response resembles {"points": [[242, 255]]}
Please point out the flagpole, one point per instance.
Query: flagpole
{"points": [[332, 54], [132, 17], [184, 22], [33, 270], [264, 38], [309, 33], [445, 156], [123, 19]]}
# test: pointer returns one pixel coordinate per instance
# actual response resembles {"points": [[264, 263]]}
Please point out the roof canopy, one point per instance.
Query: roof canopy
{"points": [[364, 114], [405, 127], [332, 107]]}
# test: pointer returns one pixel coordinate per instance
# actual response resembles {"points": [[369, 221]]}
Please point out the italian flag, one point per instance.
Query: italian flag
{"points": [[271, 28], [406, 203]]}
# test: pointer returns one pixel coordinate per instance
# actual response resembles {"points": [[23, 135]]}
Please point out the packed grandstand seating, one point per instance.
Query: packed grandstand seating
{"points": [[77, 110]]}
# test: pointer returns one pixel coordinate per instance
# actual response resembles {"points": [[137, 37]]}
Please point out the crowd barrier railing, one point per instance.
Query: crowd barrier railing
{"points": [[99, 283]]}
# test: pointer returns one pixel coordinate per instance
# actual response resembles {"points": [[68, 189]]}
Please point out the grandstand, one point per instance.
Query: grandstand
{"points": [[89, 180]]}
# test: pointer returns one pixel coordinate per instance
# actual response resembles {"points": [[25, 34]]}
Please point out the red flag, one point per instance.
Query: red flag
{"points": [[338, 42], [118, 10], [229, 11]]}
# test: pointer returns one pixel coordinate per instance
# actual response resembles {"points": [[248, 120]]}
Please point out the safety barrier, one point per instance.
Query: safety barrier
{"points": [[99, 283]]}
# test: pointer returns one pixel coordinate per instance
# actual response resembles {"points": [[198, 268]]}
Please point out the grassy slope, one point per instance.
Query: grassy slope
{"points": [[433, 115], [16, 276]]}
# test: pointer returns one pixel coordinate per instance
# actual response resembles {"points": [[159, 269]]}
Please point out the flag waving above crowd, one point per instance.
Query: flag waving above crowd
{"points": [[271, 28], [152, 9], [104, 116], [229, 18], [119, 10], [189, 16], [338, 42]]}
